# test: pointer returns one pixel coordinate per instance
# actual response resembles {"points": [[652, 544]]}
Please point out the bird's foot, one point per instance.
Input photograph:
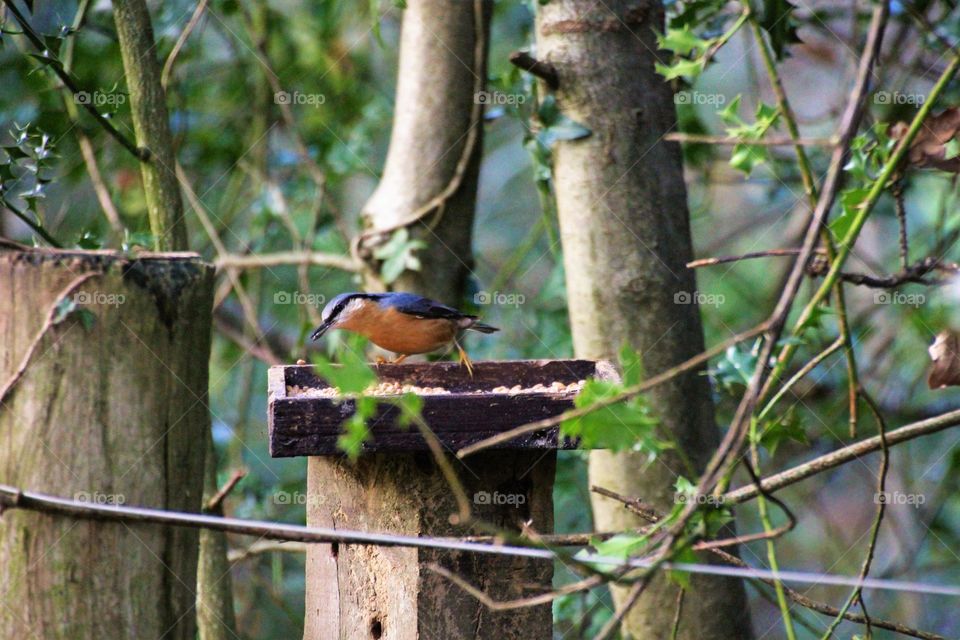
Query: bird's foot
{"points": [[465, 360], [400, 358]]}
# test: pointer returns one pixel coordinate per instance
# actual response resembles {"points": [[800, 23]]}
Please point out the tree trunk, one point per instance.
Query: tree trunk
{"points": [[429, 182], [148, 108], [110, 407], [626, 238]]}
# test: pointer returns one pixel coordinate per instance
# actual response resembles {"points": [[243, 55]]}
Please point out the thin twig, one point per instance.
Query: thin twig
{"points": [[266, 260], [709, 262], [519, 603], [626, 394], [215, 503], [771, 141], [187, 30], [844, 455], [50, 321], [857, 592], [543, 70]]}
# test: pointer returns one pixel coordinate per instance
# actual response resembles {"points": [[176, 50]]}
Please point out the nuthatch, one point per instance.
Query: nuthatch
{"points": [[404, 323]]}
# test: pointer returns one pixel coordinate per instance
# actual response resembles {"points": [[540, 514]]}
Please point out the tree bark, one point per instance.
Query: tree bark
{"points": [[148, 108], [107, 403], [626, 239], [435, 144]]}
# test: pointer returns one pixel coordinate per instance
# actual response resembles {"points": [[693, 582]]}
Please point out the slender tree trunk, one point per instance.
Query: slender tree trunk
{"points": [[626, 238], [148, 108], [429, 182]]}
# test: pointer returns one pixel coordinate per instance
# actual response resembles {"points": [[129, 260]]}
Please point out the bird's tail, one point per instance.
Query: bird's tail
{"points": [[483, 328]]}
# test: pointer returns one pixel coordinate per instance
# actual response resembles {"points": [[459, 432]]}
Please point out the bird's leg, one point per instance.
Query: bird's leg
{"points": [[464, 359], [381, 360], [400, 358]]}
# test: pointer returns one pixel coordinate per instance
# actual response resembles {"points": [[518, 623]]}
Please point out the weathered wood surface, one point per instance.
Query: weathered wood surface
{"points": [[363, 592], [306, 426], [111, 413]]}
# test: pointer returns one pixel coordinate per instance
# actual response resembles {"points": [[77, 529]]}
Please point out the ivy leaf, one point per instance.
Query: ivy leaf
{"points": [[398, 255], [778, 21]]}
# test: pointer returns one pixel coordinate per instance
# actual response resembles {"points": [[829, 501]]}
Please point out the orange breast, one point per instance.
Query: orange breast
{"points": [[400, 332]]}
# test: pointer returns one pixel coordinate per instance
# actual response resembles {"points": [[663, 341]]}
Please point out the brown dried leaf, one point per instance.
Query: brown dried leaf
{"points": [[945, 353], [929, 147]]}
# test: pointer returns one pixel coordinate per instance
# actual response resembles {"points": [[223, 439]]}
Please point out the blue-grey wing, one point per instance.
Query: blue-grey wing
{"points": [[415, 305]]}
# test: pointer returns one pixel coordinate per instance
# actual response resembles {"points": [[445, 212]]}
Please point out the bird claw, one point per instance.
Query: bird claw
{"points": [[465, 360]]}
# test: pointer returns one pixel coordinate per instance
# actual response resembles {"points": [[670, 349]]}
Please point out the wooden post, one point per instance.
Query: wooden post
{"points": [[103, 397], [368, 593]]}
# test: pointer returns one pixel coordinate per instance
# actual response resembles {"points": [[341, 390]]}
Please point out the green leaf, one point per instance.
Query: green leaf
{"points": [[850, 202], [951, 149], [621, 546], [623, 425], [682, 41], [778, 21], [398, 255], [681, 68], [731, 113], [65, 306], [786, 427], [353, 375], [746, 157], [631, 365], [735, 368], [682, 578], [563, 129]]}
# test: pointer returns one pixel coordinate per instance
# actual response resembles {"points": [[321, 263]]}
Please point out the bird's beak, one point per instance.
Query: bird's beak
{"points": [[322, 329]]}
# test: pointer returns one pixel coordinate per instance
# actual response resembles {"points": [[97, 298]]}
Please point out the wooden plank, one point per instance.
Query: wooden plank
{"points": [[310, 425]]}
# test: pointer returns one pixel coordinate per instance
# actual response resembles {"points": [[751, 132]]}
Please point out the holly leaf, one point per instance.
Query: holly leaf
{"points": [[778, 21], [746, 157], [623, 425], [782, 429], [681, 68], [850, 202], [682, 41]]}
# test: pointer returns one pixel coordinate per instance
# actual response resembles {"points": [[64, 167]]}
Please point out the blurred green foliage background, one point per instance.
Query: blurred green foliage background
{"points": [[243, 161]]}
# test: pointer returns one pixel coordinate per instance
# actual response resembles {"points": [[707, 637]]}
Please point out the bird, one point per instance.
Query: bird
{"points": [[404, 323]]}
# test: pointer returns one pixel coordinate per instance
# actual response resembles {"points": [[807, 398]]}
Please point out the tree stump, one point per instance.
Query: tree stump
{"points": [[359, 592], [103, 397]]}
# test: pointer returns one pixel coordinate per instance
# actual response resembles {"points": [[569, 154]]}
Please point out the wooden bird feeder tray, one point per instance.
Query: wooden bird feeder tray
{"points": [[305, 415]]}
